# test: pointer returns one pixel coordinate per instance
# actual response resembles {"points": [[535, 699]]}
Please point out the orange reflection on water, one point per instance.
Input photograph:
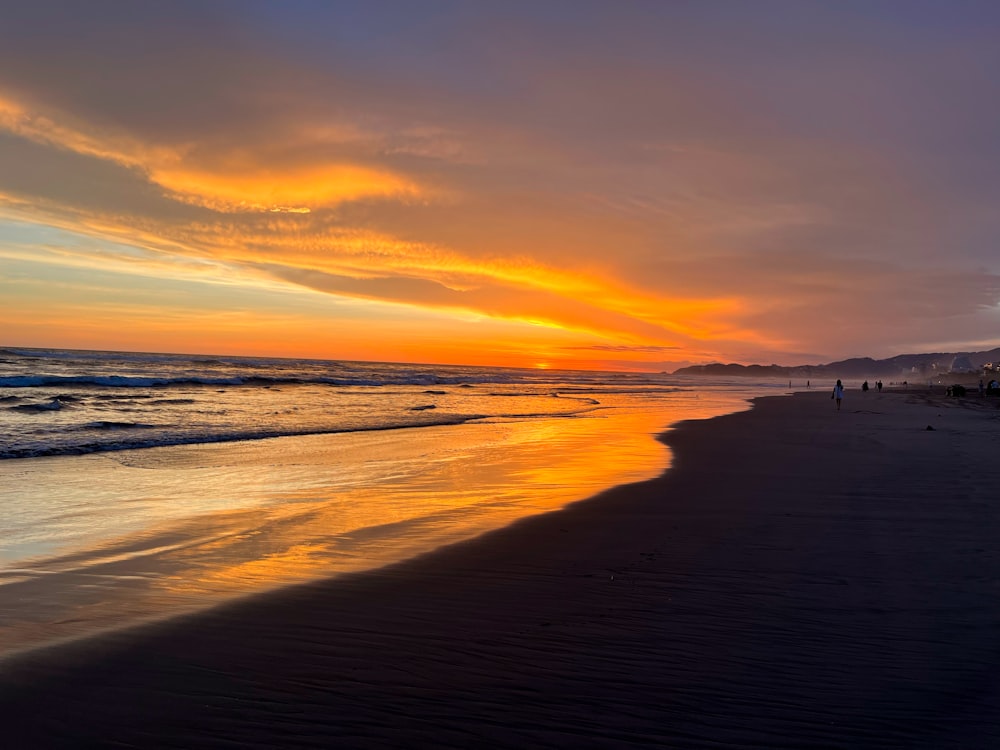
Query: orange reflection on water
{"points": [[247, 517], [474, 478]]}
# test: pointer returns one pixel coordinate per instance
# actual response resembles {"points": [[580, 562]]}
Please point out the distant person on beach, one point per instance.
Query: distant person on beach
{"points": [[838, 393], [878, 384], [864, 387]]}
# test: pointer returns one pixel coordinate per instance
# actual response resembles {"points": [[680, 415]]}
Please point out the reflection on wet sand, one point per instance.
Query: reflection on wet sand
{"points": [[191, 526]]}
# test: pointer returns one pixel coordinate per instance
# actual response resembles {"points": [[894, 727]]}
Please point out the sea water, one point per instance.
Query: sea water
{"points": [[135, 486]]}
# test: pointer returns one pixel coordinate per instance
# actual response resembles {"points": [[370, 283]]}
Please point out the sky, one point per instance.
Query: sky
{"points": [[595, 185]]}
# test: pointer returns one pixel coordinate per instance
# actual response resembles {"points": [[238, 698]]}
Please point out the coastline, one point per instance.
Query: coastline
{"points": [[177, 529], [797, 577]]}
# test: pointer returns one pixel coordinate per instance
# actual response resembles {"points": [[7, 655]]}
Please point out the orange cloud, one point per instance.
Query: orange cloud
{"points": [[285, 191], [227, 182], [61, 131]]}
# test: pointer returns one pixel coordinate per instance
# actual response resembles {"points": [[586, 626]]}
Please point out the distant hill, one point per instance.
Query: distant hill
{"points": [[899, 367]]}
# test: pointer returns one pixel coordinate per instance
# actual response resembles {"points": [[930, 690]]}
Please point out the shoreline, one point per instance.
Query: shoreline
{"points": [[797, 577], [243, 520], [103, 541]]}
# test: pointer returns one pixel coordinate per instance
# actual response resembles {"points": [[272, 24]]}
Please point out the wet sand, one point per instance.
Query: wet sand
{"points": [[799, 578]]}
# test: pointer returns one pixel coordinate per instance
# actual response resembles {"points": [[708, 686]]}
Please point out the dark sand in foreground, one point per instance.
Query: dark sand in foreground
{"points": [[799, 578]]}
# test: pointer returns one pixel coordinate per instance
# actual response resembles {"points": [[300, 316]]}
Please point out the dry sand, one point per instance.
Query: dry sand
{"points": [[799, 578]]}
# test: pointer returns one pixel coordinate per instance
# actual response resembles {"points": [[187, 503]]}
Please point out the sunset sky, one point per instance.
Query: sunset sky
{"points": [[624, 185]]}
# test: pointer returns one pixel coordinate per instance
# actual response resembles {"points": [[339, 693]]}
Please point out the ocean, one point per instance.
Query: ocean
{"points": [[140, 486]]}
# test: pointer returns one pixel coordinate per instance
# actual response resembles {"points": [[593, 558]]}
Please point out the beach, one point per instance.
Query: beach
{"points": [[799, 577]]}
